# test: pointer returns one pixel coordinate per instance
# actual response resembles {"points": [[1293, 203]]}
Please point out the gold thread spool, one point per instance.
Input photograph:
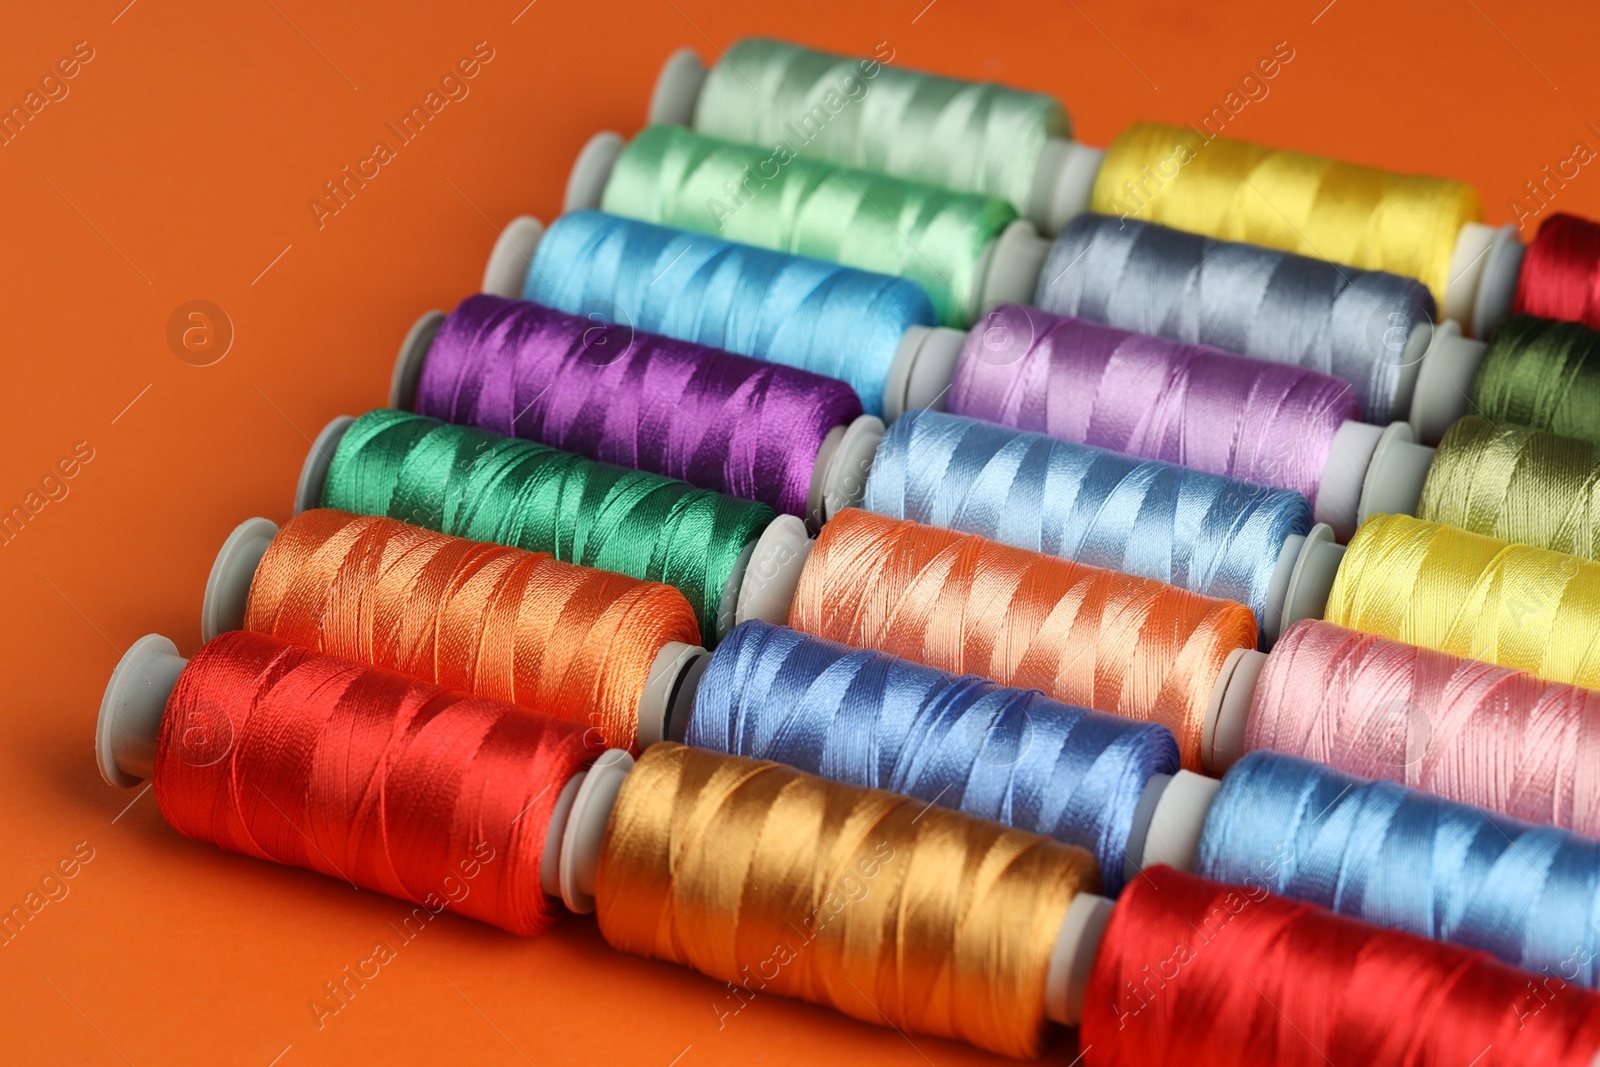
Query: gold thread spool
{"points": [[871, 903], [1311, 205], [1439, 587]]}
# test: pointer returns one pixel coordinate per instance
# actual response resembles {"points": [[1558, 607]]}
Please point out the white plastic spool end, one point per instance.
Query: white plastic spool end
{"points": [[512, 258], [1418, 341], [774, 571], [844, 462], [1339, 490], [550, 858], [1271, 622], [1063, 183], [1312, 580], [228, 585], [1177, 820], [1466, 271], [923, 367], [1228, 711], [585, 828], [1395, 478], [1072, 958], [591, 171], [130, 711], [657, 701], [1445, 383], [733, 589], [314, 472], [1497, 287], [677, 90], [1008, 271], [683, 700], [412, 358]]}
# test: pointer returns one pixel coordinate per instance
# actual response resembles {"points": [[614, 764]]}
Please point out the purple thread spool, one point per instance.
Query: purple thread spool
{"points": [[1210, 410], [757, 430]]}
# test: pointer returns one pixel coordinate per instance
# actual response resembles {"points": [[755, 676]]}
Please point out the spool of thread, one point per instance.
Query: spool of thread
{"points": [[1143, 396], [1378, 851], [864, 329], [1541, 374], [878, 906], [1094, 638], [795, 441], [881, 722], [1196, 531], [584, 645], [1438, 587], [1193, 972], [966, 251], [1369, 328], [1516, 484], [1561, 273], [1342, 212], [1468, 731], [386, 782], [468, 483], [970, 136]]}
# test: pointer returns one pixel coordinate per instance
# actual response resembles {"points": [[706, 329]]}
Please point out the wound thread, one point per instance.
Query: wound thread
{"points": [[570, 642], [1095, 638], [1185, 528], [875, 905], [790, 203], [1238, 191], [710, 418], [1191, 405], [483, 487], [1334, 319]]}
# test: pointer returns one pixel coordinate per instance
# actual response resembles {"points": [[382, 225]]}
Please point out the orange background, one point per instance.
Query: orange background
{"points": [[179, 167]]}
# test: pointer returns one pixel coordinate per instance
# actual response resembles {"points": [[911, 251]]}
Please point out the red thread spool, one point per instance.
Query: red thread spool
{"points": [[1561, 272], [1209, 975], [366, 775]]}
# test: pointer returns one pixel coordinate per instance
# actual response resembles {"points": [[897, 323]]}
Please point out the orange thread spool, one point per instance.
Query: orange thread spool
{"points": [[1091, 637], [571, 642]]}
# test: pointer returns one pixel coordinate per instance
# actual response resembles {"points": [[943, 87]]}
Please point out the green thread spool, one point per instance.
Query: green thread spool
{"points": [[470, 483], [979, 138], [1516, 484], [947, 242], [1542, 374]]}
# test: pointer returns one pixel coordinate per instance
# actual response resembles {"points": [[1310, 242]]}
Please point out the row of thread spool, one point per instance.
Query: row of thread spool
{"points": [[1136, 586]]}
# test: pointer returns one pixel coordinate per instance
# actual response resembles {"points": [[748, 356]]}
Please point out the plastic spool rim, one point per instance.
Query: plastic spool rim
{"points": [[1306, 598], [232, 573], [512, 258], [774, 571], [131, 709], [591, 171], [661, 688], [1278, 588], [1071, 960], [585, 828], [1466, 271], [1497, 287], [412, 357], [677, 91], [849, 466], [1008, 270], [314, 472]]}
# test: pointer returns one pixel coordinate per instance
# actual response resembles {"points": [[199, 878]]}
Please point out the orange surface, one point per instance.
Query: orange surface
{"points": [[178, 167]]}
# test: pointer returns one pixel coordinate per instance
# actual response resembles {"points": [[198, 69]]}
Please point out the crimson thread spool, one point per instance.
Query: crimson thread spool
{"points": [[793, 440], [1085, 636], [1202, 973], [580, 644], [383, 781], [1561, 272]]}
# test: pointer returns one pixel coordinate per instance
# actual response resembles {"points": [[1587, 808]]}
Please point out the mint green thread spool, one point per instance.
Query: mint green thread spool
{"points": [[965, 250]]}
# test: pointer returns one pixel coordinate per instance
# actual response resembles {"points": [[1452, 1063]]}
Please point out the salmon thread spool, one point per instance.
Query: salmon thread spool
{"points": [[1095, 638], [580, 644]]}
